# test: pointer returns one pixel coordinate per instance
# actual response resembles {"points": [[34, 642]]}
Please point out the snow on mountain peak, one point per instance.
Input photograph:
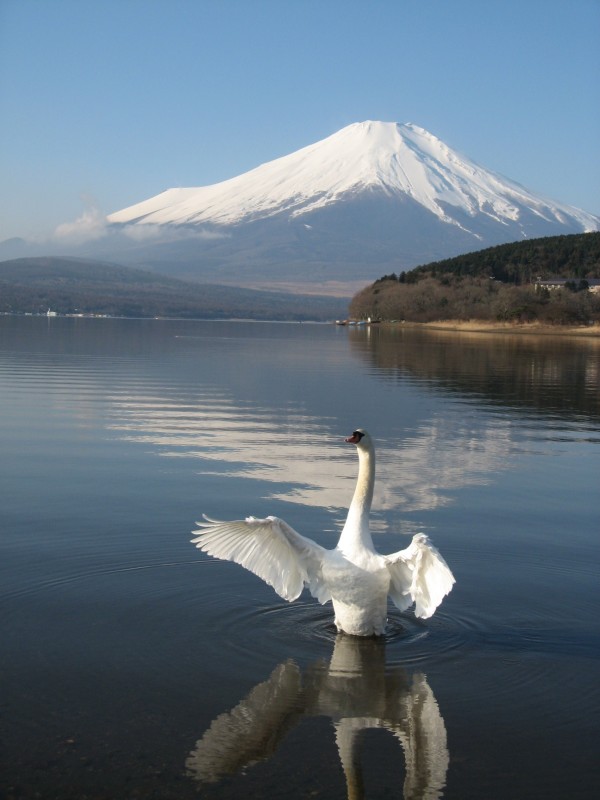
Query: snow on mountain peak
{"points": [[392, 158]]}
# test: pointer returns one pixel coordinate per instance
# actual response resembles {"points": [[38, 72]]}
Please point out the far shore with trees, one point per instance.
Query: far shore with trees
{"points": [[504, 284]]}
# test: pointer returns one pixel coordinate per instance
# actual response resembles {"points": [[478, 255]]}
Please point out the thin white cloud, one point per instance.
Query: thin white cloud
{"points": [[167, 233], [89, 226], [93, 225]]}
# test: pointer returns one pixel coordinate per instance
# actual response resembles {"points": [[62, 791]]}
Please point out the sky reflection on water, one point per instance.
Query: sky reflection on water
{"points": [[123, 645]]}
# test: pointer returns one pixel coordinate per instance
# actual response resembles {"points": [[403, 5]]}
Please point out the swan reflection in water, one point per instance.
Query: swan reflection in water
{"points": [[357, 693]]}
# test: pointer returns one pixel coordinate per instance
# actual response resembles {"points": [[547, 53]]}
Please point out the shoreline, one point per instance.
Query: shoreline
{"points": [[481, 326], [455, 325]]}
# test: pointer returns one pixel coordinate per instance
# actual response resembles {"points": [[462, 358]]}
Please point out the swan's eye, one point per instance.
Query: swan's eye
{"points": [[358, 434]]}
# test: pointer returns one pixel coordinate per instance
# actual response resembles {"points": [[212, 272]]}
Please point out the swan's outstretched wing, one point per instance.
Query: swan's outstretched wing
{"points": [[419, 575], [269, 548]]}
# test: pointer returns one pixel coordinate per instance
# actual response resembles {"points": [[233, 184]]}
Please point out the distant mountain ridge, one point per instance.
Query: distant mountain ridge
{"points": [[373, 197], [72, 285]]}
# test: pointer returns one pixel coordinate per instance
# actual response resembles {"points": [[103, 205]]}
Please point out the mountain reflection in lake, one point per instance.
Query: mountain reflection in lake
{"points": [[133, 665]]}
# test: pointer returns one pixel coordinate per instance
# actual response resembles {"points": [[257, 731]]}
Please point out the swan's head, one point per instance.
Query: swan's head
{"points": [[360, 438]]}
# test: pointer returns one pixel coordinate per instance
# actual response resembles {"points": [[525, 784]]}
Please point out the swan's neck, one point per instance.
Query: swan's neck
{"points": [[356, 534]]}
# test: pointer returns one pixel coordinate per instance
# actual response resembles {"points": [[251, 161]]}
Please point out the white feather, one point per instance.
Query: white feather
{"points": [[269, 548], [419, 575]]}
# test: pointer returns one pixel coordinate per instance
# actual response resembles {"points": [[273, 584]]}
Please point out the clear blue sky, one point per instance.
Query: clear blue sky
{"points": [[108, 102]]}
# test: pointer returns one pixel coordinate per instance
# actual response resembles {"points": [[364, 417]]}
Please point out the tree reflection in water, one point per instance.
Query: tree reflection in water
{"points": [[525, 372], [357, 693]]}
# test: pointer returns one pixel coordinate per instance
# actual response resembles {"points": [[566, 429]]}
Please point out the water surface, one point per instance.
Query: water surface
{"points": [[133, 665]]}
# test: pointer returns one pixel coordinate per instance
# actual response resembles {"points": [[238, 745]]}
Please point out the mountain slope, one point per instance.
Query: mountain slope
{"points": [[382, 157], [574, 257], [374, 197], [71, 285]]}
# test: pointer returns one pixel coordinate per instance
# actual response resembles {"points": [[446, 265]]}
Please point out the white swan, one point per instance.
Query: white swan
{"points": [[354, 576]]}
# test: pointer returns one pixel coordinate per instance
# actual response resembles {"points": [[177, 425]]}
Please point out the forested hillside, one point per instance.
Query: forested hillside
{"points": [[71, 286], [576, 256], [497, 284]]}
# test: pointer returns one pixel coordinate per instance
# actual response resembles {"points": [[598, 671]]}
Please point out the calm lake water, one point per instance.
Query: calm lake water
{"points": [[134, 666]]}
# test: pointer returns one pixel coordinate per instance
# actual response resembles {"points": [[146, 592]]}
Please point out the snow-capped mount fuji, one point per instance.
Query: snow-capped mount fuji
{"points": [[396, 160], [373, 198]]}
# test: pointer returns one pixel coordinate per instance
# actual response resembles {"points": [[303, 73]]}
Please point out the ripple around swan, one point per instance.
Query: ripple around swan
{"points": [[305, 630], [412, 642], [32, 590], [246, 626]]}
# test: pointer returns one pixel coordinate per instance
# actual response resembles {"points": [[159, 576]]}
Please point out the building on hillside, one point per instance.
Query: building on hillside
{"points": [[593, 284]]}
